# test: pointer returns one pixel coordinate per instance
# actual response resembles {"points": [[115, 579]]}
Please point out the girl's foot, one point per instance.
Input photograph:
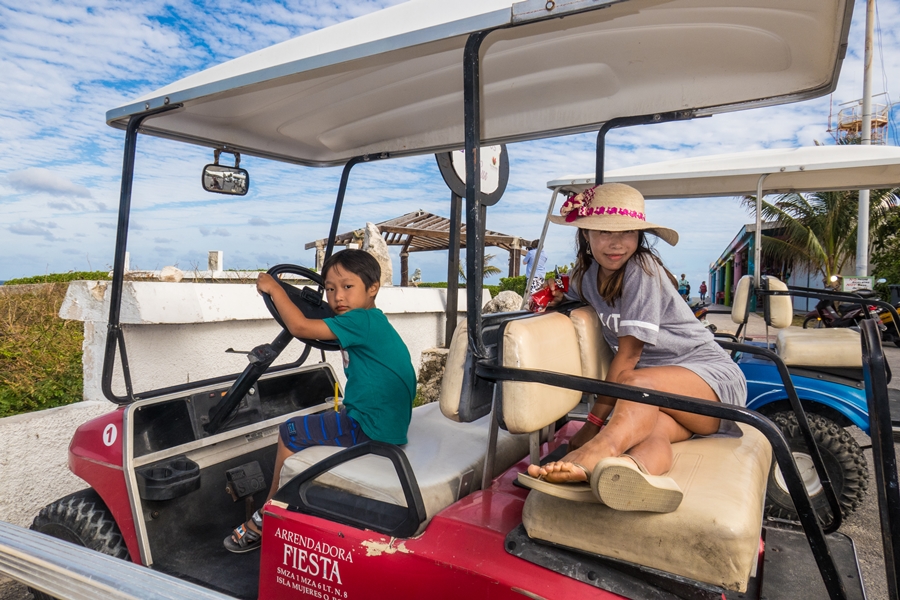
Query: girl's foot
{"points": [[560, 472], [246, 537]]}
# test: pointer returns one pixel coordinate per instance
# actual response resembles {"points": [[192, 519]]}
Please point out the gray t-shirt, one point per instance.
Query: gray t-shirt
{"points": [[651, 310]]}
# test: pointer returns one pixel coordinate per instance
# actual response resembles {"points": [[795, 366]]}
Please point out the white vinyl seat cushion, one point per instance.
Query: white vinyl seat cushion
{"points": [[712, 537], [441, 452], [546, 342], [739, 302], [838, 347], [595, 353], [781, 308], [821, 348]]}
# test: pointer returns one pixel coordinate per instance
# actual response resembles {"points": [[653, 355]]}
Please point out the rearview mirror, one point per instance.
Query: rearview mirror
{"points": [[220, 179]]}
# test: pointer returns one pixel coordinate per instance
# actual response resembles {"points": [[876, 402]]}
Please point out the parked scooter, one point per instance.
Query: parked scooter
{"points": [[849, 314], [889, 330], [701, 310]]}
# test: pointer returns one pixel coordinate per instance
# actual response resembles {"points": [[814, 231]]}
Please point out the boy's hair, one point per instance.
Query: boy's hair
{"points": [[358, 262]]}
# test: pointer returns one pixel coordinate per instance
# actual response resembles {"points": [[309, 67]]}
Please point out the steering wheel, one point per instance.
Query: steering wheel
{"points": [[309, 301]]}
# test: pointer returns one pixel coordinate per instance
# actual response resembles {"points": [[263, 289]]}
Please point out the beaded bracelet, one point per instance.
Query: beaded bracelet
{"points": [[592, 418]]}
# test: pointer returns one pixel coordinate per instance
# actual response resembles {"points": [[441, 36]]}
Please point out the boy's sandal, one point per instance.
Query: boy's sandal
{"points": [[579, 491], [243, 539]]}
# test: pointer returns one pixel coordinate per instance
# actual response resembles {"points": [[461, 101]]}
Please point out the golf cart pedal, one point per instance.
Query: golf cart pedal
{"points": [[245, 480]]}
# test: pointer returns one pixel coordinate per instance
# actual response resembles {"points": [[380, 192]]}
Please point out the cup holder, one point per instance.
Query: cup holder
{"points": [[168, 479]]}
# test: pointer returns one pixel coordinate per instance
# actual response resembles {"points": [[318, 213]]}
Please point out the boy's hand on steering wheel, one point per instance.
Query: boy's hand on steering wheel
{"points": [[266, 284]]}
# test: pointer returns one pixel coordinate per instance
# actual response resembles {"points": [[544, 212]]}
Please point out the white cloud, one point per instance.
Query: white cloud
{"points": [[65, 64], [39, 180]]}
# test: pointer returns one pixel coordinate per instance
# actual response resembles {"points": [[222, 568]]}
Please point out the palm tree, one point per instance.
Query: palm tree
{"points": [[818, 230], [488, 269]]}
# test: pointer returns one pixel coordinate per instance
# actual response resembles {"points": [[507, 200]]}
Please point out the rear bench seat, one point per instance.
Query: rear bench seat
{"points": [[713, 537], [837, 347]]}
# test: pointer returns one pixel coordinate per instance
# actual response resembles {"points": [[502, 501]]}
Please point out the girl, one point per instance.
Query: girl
{"points": [[658, 344]]}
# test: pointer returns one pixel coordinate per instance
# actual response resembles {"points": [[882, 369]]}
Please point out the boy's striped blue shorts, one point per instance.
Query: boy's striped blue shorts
{"points": [[327, 428]]}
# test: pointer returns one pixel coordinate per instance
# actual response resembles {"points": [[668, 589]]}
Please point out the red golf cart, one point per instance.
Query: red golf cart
{"points": [[172, 470]]}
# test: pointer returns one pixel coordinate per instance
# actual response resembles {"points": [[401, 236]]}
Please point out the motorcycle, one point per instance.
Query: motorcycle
{"points": [[849, 314], [889, 330], [701, 309]]}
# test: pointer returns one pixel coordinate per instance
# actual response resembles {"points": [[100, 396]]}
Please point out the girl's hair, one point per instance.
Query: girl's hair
{"points": [[611, 289], [358, 262]]}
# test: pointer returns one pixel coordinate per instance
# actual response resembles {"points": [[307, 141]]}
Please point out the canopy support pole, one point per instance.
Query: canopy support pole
{"points": [[757, 235], [453, 267], [475, 210], [114, 335], [540, 248]]}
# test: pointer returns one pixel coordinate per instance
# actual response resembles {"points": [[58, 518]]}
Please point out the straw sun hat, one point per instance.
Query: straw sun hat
{"points": [[611, 207]]}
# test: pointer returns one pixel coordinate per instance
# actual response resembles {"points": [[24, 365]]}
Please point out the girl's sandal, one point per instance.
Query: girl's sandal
{"points": [[623, 483], [577, 491], [243, 538]]}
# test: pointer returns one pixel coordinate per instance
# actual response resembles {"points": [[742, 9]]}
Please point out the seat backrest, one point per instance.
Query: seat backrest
{"points": [[455, 374], [545, 342], [596, 354], [780, 313], [739, 306]]}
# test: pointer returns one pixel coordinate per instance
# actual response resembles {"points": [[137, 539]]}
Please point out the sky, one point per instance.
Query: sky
{"points": [[64, 64]]}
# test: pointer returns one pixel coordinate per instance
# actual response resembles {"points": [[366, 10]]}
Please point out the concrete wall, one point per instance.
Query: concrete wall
{"points": [[179, 332], [175, 333]]}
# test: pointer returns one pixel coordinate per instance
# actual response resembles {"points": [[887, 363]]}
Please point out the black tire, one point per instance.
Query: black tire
{"points": [[82, 519], [844, 461], [813, 323]]}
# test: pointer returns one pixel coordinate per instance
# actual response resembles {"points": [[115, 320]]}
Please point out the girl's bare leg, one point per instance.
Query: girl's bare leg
{"points": [[642, 430]]}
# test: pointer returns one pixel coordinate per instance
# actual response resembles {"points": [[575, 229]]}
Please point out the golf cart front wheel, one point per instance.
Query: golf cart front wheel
{"points": [[844, 461], [82, 519]]}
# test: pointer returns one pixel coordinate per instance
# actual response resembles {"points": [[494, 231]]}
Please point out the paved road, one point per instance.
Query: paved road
{"points": [[863, 526]]}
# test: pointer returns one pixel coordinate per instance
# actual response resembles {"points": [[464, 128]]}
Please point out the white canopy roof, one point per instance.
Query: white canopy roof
{"points": [[810, 169], [391, 81]]}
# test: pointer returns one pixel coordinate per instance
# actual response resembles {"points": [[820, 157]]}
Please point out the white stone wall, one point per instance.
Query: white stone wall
{"points": [[178, 332], [175, 332]]}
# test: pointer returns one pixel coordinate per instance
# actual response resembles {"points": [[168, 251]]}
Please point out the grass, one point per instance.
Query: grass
{"points": [[60, 277], [40, 353]]}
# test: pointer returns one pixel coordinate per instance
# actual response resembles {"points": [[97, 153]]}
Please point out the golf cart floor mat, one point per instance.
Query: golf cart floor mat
{"points": [[186, 533], [790, 571], [619, 577]]}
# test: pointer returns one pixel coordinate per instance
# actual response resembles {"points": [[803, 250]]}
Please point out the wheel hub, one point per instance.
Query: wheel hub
{"points": [[807, 473]]}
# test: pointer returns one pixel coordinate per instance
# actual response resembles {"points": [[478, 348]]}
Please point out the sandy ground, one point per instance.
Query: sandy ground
{"points": [[863, 525]]}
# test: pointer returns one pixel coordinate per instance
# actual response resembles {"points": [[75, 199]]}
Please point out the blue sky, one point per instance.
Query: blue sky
{"points": [[65, 64]]}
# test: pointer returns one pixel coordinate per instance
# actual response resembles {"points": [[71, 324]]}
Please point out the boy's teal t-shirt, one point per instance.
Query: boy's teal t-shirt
{"points": [[381, 381]]}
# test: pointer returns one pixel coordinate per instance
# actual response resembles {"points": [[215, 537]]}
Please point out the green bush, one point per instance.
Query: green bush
{"points": [[515, 284], [40, 353], [61, 277]]}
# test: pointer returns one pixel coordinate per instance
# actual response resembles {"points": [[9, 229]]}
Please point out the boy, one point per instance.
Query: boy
{"points": [[381, 382]]}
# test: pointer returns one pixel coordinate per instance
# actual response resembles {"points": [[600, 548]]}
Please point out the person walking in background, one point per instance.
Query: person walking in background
{"points": [[684, 287], [702, 291], [538, 279]]}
